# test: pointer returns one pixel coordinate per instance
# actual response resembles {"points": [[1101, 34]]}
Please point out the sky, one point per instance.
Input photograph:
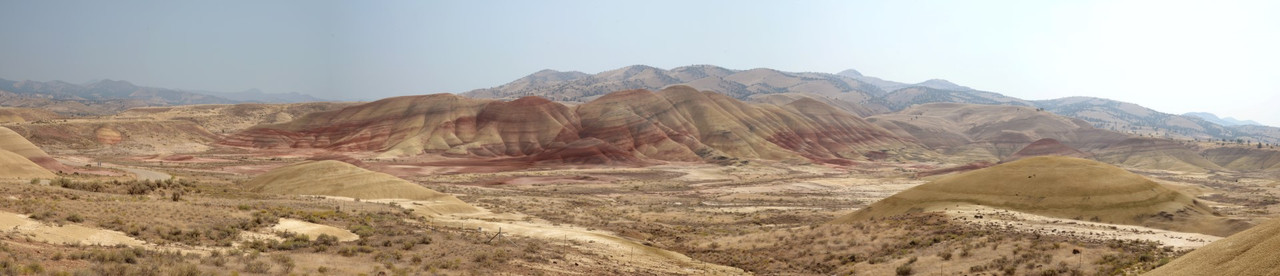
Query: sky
{"points": [[1172, 56]]}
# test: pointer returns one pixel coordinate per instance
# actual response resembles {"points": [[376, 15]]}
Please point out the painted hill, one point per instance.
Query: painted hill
{"points": [[1047, 147], [865, 96], [336, 178], [1062, 187], [13, 165], [678, 123], [13, 142], [1251, 252]]}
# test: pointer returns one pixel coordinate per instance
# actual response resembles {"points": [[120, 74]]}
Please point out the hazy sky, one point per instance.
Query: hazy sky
{"points": [[1173, 56]]}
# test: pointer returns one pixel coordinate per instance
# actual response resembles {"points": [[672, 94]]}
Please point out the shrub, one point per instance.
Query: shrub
{"points": [[257, 267], [903, 270]]}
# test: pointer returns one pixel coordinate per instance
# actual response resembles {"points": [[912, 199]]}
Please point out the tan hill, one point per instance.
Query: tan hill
{"points": [[1064, 187], [336, 178], [1250, 252], [13, 165], [1047, 146], [14, 143], [990, 132], [786, 98], [12, 115], [1153, 153], [228, 118], [1244, 158], [1137, 119], [676, 124], [915, 95], [118, 136]]}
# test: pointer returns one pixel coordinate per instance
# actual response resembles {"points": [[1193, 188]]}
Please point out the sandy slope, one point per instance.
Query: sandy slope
{"points": [[64, 234], [313, 230], [1251, 252]]}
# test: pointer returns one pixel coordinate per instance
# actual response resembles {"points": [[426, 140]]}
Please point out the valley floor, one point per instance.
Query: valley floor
{"points": [[682, 218]]}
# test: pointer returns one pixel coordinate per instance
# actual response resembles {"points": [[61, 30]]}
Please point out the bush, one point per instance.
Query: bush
{"points": [[903, 270], [257, 267], [326, 240], [75, 218]]}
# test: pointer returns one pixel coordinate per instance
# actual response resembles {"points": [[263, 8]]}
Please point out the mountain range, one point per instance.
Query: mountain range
{"points": [[864, 95], [1226, 121]]}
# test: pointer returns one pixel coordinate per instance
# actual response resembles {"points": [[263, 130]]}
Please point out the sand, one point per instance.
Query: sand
{"points": [[313, 230], [64, 234]]}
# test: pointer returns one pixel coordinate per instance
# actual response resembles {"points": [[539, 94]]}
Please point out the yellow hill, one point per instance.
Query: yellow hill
{"points": [[13, 142], [1057, 186], [1251, 252], [336, 178], [13, 165]]}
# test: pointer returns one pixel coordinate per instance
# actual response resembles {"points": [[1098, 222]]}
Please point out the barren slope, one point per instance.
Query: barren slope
{"points": [[1160, 154], [676, 124], [1062, 187], [13, 142], [13, 165], [336, 178], [990, 132], [1047, 146], [1251, 252]]}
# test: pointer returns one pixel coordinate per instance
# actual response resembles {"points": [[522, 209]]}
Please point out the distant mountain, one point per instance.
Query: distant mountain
{"points": [[864, 95], [257, 96], [106, 90], [916, 95], [943, 84], [1136, 119], [101, 97], [739, 84], [1228, 121]]}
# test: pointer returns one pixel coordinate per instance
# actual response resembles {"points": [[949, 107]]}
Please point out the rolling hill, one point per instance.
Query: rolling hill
{"points": [[1062, 187], [678, 123], [739, 84], [990, 132], [1047, 147], [864, 96], [1250, 252], [336, 178], [15, 143]]}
